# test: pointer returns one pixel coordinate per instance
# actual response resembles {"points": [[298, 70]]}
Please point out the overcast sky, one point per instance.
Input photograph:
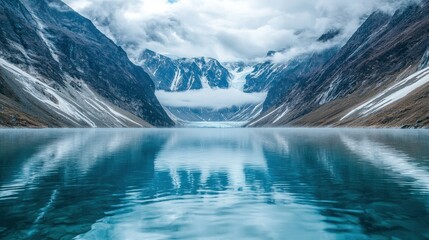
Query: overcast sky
{"points": [[228, 30]]}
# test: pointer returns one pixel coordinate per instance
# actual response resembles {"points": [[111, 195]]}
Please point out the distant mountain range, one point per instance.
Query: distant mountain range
{"points": [[184, 74], [181, 75], [58, 70]]}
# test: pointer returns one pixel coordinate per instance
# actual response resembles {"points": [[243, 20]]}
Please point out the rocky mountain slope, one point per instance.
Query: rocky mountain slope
{"points": [[269, 73], [379, 78], [58, 70]]}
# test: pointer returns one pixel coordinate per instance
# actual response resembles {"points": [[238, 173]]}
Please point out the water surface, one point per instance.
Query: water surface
{"points": [[214, 184]]}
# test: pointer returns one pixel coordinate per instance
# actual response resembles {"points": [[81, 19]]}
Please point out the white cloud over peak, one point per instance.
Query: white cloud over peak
{"points": [[228, 30]]}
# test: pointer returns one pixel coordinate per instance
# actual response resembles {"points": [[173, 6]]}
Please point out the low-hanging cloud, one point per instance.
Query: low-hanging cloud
{"points": [[209, 98], [225, 29]]}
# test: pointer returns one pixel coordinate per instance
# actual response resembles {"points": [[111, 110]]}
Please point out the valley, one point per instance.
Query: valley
{"points": [[57, 69]]}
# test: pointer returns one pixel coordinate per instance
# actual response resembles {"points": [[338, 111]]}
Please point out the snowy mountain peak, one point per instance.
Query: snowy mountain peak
{"points": [[183, 74]]}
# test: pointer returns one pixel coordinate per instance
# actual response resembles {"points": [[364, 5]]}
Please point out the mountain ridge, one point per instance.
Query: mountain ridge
{"points": [[59, 47], [385, 50], [184, 74]]}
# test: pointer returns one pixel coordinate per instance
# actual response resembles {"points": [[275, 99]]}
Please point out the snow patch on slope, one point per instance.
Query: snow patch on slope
{"points": [[83, 107], [285, 111], [176, 81], [239, 77], [275, 111], [46, 94], [393, 94], [42, 33]]}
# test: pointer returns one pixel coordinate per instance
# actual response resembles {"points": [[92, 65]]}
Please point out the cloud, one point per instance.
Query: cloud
{"points": [[209, 98], [225, 29]]}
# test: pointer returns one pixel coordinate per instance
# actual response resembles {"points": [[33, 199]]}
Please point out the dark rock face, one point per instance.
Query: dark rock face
{"points": [[424, 62], [331, 34], [295, 72], [263, 75], [268, 74], [384, 49], [216, 74], [184, 74], [49, 39]]}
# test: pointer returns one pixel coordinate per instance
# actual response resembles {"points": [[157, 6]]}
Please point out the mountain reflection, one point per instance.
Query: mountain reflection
{"points": [[207, 153], [232, 183]]}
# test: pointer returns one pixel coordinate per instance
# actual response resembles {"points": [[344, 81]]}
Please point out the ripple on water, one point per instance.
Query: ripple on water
{"points": [[214, 184]]}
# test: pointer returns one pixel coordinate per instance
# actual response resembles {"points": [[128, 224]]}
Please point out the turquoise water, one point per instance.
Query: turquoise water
{"points": [[214, 184]]}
